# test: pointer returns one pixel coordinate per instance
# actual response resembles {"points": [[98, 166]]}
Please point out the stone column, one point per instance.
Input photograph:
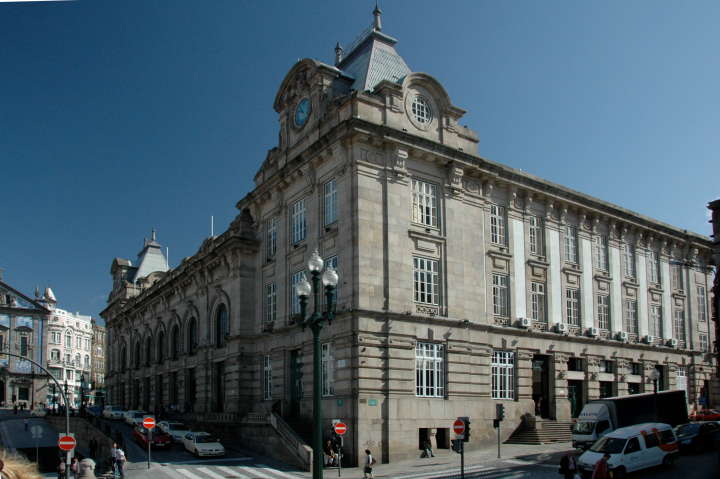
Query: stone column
{"points": [[642, 300], [667, 310], [559, 387], [554, 296], [524, 375], [592, 370], [519, 285], [622, 369], [588, 318], [615, 290]]}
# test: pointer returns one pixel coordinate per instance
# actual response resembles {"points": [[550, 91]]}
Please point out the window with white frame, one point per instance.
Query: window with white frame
{"points": [[330, 202], [603, 311], [498, 225], [56, 337], [572, 305], [676, 273], [601, 253], [429, 370], [704, 342], [267, 378], [294, 299], [537, 302], [424, 203], [299, 224], [501, 295], [631, 316], [535, 231], [272, 235], [571, 244], [629, 260], [427, 281], [503, 375], [655, 323], [701, 303], [68, 340], [78, 342], [653, 267], [679, 324], [55, 354], [270, 302], [328, 373]]}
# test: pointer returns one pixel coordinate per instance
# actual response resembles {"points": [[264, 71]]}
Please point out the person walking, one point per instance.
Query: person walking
{"points": [[369, 462], [601, 470], [568, 466], [113, 457], [121, 462], [427, 449], [74, 468], [61, 469]]}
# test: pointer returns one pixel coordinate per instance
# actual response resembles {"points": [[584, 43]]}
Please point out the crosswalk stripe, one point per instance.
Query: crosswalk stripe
{"points": [[255, 472], [234, 474], [187, 473], [441, 472], [275, 471], [207, 471]]}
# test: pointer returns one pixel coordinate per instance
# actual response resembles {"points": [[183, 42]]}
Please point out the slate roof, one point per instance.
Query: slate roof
{"points": [[150, 259], [372, 60]]}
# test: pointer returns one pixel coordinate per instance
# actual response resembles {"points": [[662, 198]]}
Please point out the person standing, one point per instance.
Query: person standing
{"points": [[113, 456], [121, 462], [427, 449], [74, 468], [369, 462], [601, 470], [568, 466], [61, 469]]}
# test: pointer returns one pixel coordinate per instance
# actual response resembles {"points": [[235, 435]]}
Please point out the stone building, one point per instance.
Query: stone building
{"points": [[464, 282], [97, 363], [22, 323]]}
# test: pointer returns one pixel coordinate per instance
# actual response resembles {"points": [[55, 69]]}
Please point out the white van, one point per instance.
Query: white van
{"points": [[633, 448]]}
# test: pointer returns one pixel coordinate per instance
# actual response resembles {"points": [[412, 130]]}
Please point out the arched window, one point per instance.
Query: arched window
{"points": [[123, 358], [161, 347], [175, 342], [148, 350], [136, 356], [222, 327], [192, 341]]}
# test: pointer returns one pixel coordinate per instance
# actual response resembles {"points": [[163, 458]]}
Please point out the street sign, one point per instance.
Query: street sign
{"points": [[149, 422], [66, 443], [459, 427], [340, 428]]}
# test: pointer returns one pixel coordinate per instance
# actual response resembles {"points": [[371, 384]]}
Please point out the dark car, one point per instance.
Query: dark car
{"points": [[697, 436], [159, 438], [95, 411]]}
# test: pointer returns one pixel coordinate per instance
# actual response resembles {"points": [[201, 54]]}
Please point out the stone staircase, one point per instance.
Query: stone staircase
{"points": [[542, 432]]}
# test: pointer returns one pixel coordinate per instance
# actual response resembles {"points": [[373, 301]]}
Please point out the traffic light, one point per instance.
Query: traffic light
{"points": [[457, 445], [496, 423], [466, 420], [500, 412]]}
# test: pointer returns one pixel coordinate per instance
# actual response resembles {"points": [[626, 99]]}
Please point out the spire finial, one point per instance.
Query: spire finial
{"points": [[338, 53], [377, 12], [153, 237]]}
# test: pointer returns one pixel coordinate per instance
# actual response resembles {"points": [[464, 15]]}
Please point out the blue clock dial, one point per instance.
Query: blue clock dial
{"points": [[302, 112]]}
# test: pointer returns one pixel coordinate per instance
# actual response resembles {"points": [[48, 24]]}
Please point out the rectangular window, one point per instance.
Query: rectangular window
{"points": [[601, 253], [572, 303], [679, 325], [299, 225], [608, 366], [23, 345], [294, 300], [69, 374], [676, 273], [653, 267], [703, 342], [328, 379], [330, 202], [498, 228], [78, 342], [655, 326], [631, 316], [571, 244], [503, 375], [501, 295], [424, 203], [629, 260], [68, 341], [537, 302], [427, 281], [429, 370], [636, 369], [603, 312], [537, 246], [270, 303], [267, 378], [272, 234], [702, 303]]}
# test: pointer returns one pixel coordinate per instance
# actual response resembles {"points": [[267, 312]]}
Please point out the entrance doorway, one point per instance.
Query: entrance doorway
{"points": [[295, 383], [576, 397], [541, 385]]}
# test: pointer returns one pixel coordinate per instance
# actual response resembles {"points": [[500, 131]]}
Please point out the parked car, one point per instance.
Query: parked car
{"points": [[633, 448], [95, 411], [697, 436], [113, 412], [177, 430], [705, 415], [158, 438], [203, 444]]}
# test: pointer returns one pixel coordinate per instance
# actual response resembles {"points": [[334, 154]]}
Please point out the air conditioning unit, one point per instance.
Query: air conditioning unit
{"points": [[561, 328], [649, 339], [524, 322], [672, 342], [594, 332], [622, 336]]}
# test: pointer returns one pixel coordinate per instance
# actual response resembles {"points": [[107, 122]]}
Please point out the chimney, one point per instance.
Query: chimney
{"points": [[338, 54]]}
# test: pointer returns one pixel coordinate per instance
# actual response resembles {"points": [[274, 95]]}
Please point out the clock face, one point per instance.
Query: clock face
{"points": [[302, 112]]}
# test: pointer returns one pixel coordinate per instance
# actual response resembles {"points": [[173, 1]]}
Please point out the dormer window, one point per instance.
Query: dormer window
{"points": [[421, 110]]}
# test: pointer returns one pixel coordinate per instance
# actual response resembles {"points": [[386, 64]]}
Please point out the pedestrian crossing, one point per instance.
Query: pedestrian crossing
{"points": [[257, 471]]}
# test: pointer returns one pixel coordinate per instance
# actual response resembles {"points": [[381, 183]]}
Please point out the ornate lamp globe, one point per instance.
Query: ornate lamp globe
{"points": [[303, 288], [330, 277], [315, 263]]}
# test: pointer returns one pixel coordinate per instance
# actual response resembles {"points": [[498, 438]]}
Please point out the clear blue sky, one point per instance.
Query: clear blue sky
{"points": [[117, 117]]}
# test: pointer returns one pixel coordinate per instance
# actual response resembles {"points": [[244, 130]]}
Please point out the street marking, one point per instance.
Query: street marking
{"points": [[207, 471], [187, 473], [275, 471], [455, 471], [222, 459], [227, 470], [255, 473]]}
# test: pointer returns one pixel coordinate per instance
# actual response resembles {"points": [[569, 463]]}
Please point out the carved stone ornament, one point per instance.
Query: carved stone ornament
{"points": [[455, 176], [400, 159]]}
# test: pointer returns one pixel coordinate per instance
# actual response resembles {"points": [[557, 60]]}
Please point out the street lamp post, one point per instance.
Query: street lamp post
{"points": [[82, 394], [315, 322]]}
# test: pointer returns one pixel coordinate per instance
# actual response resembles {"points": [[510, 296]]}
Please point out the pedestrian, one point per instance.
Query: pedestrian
{"points": [[61, 469], [427, 449], [87, 469], [601, 470], [113, 456], [121, 462], [568, 466], [74, 468], [369, 462], [330, 458]]}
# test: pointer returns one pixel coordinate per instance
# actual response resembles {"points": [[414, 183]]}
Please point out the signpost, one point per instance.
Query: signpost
{"points": [[37, 433], [149, 424], [340, 429], [459, 430], [66, 442]]}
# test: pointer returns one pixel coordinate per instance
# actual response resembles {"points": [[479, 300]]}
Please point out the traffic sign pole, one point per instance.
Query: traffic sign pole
{"points": [[340, 429], [459, 430], [149, 424]]}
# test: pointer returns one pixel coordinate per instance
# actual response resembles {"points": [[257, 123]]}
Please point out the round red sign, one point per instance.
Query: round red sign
{"points": [[66, 443], [340, 428], [149, 423], [459, 427]]}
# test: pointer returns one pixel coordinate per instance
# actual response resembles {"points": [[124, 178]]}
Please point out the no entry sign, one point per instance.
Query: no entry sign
{"points": [[66, 443], [149, 422], [459, 427], [340, 428]]}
